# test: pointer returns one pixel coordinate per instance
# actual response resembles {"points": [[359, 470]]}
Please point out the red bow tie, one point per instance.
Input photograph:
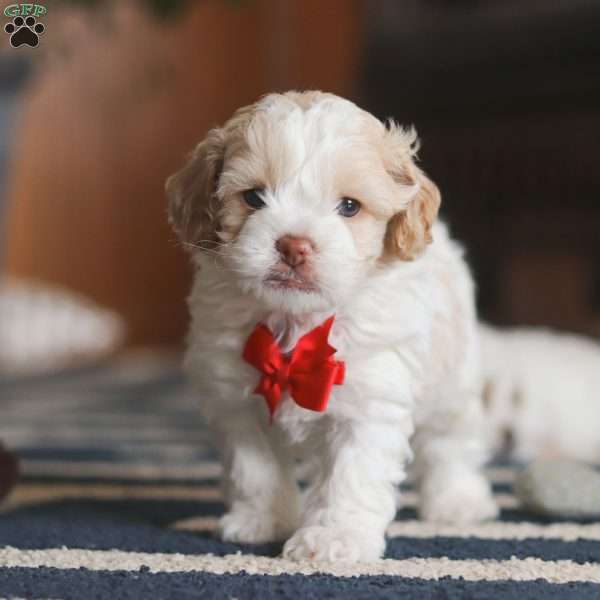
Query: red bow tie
{"points": [[309, 373]]}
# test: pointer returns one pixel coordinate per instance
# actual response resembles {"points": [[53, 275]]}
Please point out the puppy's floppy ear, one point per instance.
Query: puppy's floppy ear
{"points": [[409, 230], [191, 192]]}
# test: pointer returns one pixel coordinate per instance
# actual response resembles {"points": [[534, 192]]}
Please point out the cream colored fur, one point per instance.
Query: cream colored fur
{"points": [[405, 327]]}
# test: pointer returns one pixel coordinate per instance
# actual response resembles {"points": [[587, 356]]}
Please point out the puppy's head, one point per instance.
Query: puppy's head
{"points": [[301, 197]]}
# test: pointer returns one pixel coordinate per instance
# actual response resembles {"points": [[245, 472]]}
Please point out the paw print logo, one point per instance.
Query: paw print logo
{"points": [[24, 31]]}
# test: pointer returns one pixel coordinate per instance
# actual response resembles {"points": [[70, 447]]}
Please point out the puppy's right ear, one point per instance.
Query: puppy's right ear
{"points": [[192, 193]]}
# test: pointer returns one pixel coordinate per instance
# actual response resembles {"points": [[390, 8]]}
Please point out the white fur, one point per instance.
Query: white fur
{"points": [[543, 388], [405, 329]]}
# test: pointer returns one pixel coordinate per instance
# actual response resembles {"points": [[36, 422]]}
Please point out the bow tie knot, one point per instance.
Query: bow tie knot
{"points": [[308, 373], [282, 374]]}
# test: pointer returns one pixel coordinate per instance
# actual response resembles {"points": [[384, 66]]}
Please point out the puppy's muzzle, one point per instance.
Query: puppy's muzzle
{"points": [[294, 269], [294, 251]]}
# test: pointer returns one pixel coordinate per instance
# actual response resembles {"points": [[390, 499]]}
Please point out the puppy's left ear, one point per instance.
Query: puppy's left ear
{"points": [[409, 230]]}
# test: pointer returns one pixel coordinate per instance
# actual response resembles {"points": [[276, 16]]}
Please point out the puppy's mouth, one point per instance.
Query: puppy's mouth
{"points": [[284, 277]]}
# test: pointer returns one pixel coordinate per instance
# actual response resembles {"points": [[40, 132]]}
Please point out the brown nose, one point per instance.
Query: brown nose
{"points": [[294, 250]]}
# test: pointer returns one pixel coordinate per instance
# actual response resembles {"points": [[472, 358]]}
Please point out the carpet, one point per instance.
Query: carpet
{"points": [[119, 498]]}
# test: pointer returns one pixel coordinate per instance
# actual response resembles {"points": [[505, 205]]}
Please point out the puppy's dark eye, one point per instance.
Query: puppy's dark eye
{"points": [[348, 207], [253, 198]]}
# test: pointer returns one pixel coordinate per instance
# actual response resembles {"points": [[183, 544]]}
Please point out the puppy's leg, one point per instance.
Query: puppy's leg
{"points": [[350, 504], [449, 453], [258, 482]]}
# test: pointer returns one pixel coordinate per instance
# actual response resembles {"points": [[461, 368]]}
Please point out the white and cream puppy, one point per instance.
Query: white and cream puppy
{"points": [[303, 207]]}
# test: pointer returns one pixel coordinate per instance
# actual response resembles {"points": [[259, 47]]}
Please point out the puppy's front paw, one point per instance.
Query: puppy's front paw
{"points": [[465, 500], [333, 544], [247, 526]]}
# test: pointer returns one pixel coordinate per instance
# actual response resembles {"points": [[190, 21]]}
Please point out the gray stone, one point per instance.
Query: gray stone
{"points": [[560, 487]]}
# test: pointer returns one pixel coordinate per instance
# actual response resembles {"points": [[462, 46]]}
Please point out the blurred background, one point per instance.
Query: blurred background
{"points": [[505, 96]]}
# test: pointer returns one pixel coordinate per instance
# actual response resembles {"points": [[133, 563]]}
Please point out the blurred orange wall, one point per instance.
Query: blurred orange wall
{"points": [[113, 110]]}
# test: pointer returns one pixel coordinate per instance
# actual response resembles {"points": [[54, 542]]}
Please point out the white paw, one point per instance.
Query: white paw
{"points": [[247, 526], [464, 500], [333, 544]]}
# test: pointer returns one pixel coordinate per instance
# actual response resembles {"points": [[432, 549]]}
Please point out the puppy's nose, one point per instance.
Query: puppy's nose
{"points": [[294, 250]]}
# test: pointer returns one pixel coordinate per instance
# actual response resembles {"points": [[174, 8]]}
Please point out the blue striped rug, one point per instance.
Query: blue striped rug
{"points": [[119, 499]]}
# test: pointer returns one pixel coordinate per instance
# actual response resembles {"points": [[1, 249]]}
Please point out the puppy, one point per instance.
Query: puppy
{"points": [[541, 393], [333, 324]]}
